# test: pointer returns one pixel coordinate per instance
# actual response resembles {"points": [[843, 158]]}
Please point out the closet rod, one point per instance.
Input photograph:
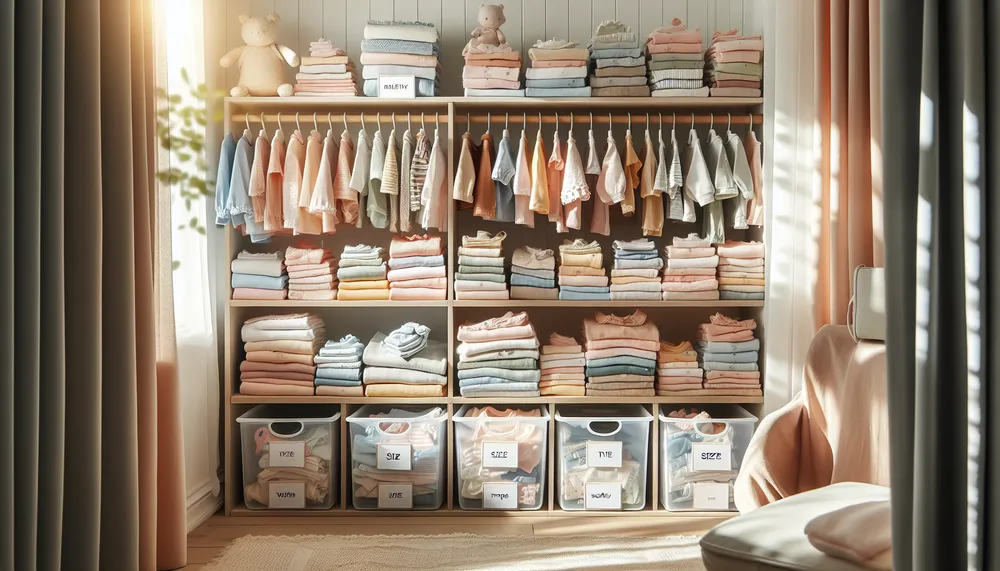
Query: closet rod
{"points": [[638, 119], [307, 118]]}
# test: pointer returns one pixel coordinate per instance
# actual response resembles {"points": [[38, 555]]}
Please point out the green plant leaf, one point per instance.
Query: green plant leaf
{"points": [[201, 231], [184, 74], [193, 222], [175, 99], [184, 157], [175, 264], [187, 204]]}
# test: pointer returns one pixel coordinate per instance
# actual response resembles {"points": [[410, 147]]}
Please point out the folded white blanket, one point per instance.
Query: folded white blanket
{"points": [[290, 321], [675, 263], [374, 71], [410, 31], [487, 346], [251, 335], [273, 268]]}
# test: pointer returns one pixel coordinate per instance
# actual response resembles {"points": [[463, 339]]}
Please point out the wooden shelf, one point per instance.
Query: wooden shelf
{"points": [[638, 104], [248, 399], [251, 399], [291, 303], [514, 303]]}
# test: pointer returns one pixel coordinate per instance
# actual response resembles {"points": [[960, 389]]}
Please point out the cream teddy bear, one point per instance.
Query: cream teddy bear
{"points": [[261, 60], [488, 33]]}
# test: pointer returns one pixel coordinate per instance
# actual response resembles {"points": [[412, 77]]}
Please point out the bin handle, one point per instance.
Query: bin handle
{"points": [[598, 433], [270, 428], [378, 427]]}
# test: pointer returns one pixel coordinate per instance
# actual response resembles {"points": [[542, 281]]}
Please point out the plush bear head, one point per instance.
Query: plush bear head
{"points": [[491, 15], [259, 32]]}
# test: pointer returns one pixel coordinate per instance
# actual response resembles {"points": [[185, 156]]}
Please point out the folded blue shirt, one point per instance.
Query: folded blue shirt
{"points": [[725, 347], [741, 357], [260, 282], [519, 375], [337, 382], [619, 370], [719, 366], [622, 360], [339, 374], [585, 289], [531, 281], [577, 296]]}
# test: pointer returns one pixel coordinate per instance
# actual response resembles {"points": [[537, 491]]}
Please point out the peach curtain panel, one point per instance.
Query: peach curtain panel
{"points": [[850, 118]]}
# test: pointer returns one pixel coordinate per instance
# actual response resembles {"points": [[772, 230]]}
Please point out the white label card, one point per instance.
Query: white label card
{"points": [[395, 496], [286, 495], [397, 87], [603, 496], [500, 454], [710, 496], [711, 457], [500, 495], [604, 454], [286, 454], [393, 457]]}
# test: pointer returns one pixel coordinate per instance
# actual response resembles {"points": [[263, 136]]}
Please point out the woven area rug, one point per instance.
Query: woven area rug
{"points": [[458, 552]]}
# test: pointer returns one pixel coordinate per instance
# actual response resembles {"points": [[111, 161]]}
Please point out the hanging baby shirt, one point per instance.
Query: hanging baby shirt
{"points": [[756, 207], [485, 204], [465, 177], [405, 165], [359, 176], [722, 178], [240, 209], [522, 186], [652, 200], [632, 166], [737, 211], [681, 205], [418, 171], [390, 182], [257, 188], [554, 184], [224, 178], [434, 196], [503, 176], [272, 192], [322, 202], [697, 181], [378, 214], [346, 197], [574, 185], [539, 177], [291, 184], [307, 222], [610, 186]]}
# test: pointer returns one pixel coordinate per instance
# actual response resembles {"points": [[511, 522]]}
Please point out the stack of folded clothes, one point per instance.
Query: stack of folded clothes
{"points": [[492, 71], [326, 72], [563, 371], [635, 274], [581, 271], [279, 354], [416, 268], [729, 353], [690, 270], [498, 358], [338, 368], [401, 48], [533, 274], [741, 270], [481, 267], [619, 62], [310, 274], [676, 63], [362, 274], [733, 64], [558, 69], [259, 276], [405, 363], [677, 369], [621, 354]]}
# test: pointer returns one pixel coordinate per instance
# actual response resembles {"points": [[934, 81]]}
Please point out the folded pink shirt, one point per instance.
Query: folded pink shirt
{"points": [[416, 273], [701, 285], [432, 283], [643, 344], [258, 293], [674, 48], [313, 295], [417, 294]]}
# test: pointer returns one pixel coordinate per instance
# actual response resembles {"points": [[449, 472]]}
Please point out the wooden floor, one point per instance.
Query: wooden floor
{"points": [[209, 539]]}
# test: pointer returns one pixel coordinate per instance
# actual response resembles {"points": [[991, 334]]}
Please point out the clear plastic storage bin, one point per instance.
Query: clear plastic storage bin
{"points": [[290, 456], [602, 452], [398, 457], [500, 460], [700, 458]]}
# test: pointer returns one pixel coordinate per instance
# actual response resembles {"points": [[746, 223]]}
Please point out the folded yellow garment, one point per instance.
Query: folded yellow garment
{"points": [[363, 294], [367, 284], [401, 390], [741, 281], [324, 390], [563, 391], [585, 260], [285, 345], [580, 271]]}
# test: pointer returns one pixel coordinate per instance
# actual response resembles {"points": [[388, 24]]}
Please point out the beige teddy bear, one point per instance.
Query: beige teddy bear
{"points": [[261, 60], [488, 33]]}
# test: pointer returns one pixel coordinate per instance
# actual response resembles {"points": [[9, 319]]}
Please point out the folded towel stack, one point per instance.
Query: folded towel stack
{"points": [[636, 270], [619, 68], [326, 72], [733, 64], [677, 369], [741, 270], [492, 71], [563, 371], [498, 358], [362, 274], [280, 352], [558, 69], [690, 271], [416, 268], [533, 274], [311, 274], [405, 363], [338, 368], [676, 62], [259, 276], [401, 48], [581, 271], [621, 354], [481, 272], [728, 352]]}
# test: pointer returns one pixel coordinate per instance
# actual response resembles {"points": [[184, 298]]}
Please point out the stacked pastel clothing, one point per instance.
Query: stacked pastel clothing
{"points": [[362, 274], [498, 358], [676, 62], [621, 354], [492, 71], [677, 369], [481, 267], [416, 268], [733, 65], [619, 68], [741, 270], [326, 72], [405, 363], [311, 274], [533, 274], [558, 69], [581, 272], [635, 275], [259, 276], [690, 271], [401, 48], [338, 368], [279, 354], [729, 354], [563, 368]]}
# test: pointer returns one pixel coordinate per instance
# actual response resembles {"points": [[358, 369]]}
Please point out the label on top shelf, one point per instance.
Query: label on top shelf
{"points": [[286, 454], [393, 457], [710, 496], [500, 495], [286, 495], [500, 454], [397, 87], [395, 496], [604, 454], [711, 457], [602, 496]]}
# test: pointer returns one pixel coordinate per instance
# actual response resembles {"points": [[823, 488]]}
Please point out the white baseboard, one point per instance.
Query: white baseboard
{"points": [[202, 508]]}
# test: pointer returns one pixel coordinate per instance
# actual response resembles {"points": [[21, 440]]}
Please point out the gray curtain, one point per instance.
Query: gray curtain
{"points": [[79, 411], [941, 120]]}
